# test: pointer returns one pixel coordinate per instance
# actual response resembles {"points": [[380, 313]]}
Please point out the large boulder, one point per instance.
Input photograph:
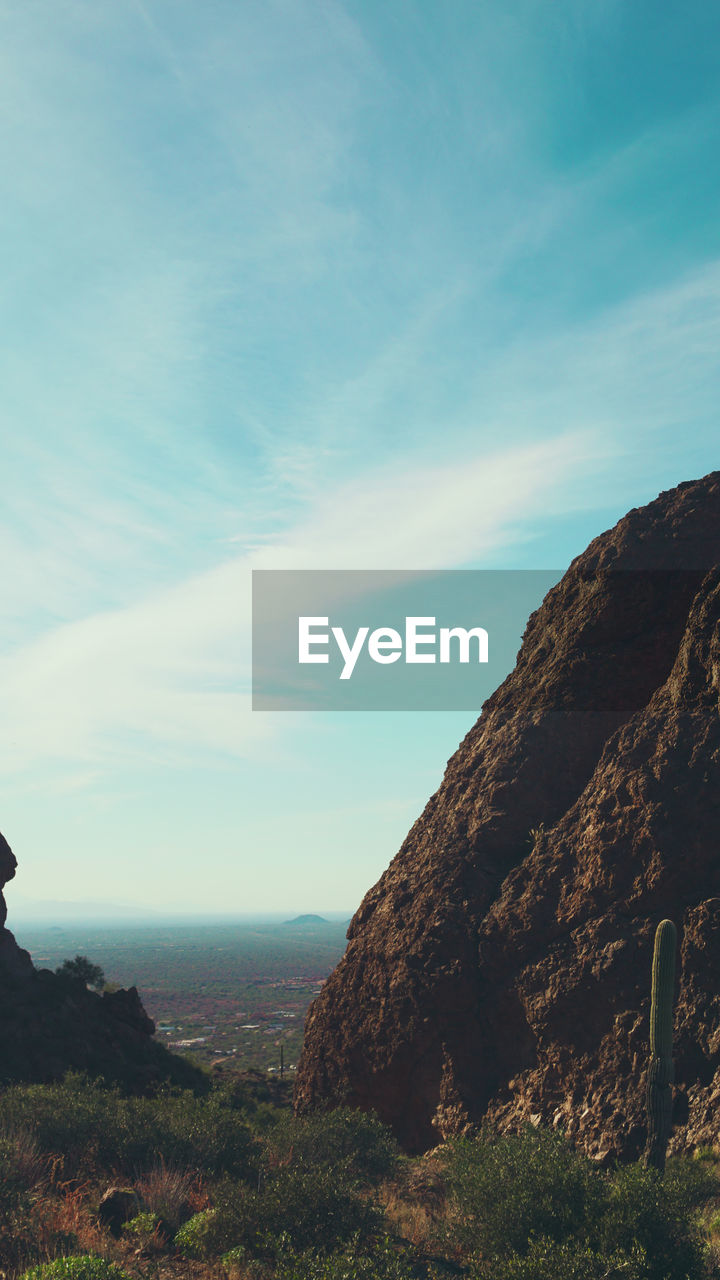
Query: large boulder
{"points": [[500, 967]]}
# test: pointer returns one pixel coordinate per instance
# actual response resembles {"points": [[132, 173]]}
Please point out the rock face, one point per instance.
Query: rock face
{"points": [[500, 968], [51, 1024], [15, 963]]}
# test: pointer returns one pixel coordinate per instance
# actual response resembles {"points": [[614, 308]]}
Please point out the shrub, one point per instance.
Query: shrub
{"points": [[306, 1208], [533, 1209], [565, 1260], [143, 1224], [505, 1191], [69, 1118], [21, 1160], [240, 1266], [309, 1207], [147, 1231], [203, 1236], [246, 1092], [202, 1133], [11, 1183], [15, 1225], [95, 1126], [656, 1214], [380, 1261], [18, 1231], [81, 1267], [356, 1140], [166, 1192], [82, 970], [708, 1154]]}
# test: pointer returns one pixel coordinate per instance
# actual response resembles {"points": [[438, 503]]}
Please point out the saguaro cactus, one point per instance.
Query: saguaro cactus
{"points": [[661, 1072]]}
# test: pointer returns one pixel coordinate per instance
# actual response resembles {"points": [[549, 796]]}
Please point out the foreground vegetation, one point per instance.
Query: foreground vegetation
{"points": [[231, 1187]]}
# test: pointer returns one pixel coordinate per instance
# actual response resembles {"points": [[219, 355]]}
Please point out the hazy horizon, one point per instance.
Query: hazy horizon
{"points": [[27, 911]]}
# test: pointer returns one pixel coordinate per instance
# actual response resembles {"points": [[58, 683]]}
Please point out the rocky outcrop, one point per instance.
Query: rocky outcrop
{"points": [[500, 967], [15, 964], [51, 1024]]}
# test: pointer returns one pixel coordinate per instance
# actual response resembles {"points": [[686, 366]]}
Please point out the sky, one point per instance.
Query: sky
{"points": [[314, 284]]}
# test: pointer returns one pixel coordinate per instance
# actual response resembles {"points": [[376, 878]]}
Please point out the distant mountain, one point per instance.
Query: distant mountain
{"points": [[307, 919]]}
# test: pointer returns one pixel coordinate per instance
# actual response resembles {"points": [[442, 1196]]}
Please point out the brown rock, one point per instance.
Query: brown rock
{"points": [[118, 1206], [15, 964], [127, 1007], [500, 967]]}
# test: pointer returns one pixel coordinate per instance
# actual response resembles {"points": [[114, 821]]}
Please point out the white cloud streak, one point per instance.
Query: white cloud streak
{"points": [[171, 673]]}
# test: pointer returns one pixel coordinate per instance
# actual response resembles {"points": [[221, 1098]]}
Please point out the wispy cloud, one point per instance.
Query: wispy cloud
{"points": [[168, 672], [172, 672]]}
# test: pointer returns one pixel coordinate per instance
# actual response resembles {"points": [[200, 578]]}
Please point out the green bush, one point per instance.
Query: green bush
{"points": [[95, 1126], [245, 1092], [707, 1154], [144, 1228], [203, 1236], [356, 1140], [380, 1261], [656, 1215], [505, 1191], [534, 1209], [81, 1267], [142, 1224], [310, 1207], [306, 1208], [566, 1260]]}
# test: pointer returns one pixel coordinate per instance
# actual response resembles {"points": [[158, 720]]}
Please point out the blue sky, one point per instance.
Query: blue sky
{"points": [[315, 284]]}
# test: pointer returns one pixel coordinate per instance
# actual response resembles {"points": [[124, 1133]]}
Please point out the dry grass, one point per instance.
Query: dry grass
{"points": [[31, 1166], [172, 1193], [68, 1212], [250, 1270], [410, 1220], [414, 1202], [60, 1222]]}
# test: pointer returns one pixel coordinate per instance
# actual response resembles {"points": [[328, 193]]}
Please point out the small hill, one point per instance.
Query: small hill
{"points": [[307, 920]]}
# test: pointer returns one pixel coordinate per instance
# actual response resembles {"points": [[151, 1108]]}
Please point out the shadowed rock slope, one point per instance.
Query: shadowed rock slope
{"points": [[14, 962], [501, 965], [51, 1024]]}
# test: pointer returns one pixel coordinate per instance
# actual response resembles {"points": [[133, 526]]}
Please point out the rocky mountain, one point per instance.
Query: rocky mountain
{"points": [[51, 1024], [501, 965], [15, 964]]}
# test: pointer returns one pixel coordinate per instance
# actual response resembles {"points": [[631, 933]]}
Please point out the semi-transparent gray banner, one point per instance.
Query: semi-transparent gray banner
{"points": [[331, 640]]}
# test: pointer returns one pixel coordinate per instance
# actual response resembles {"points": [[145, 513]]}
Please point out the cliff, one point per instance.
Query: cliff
{"points": [[500, 967], [51, 1024]]}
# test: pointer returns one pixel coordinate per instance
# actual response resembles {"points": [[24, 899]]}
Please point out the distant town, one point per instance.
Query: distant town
{"points": [[230, 994]]}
